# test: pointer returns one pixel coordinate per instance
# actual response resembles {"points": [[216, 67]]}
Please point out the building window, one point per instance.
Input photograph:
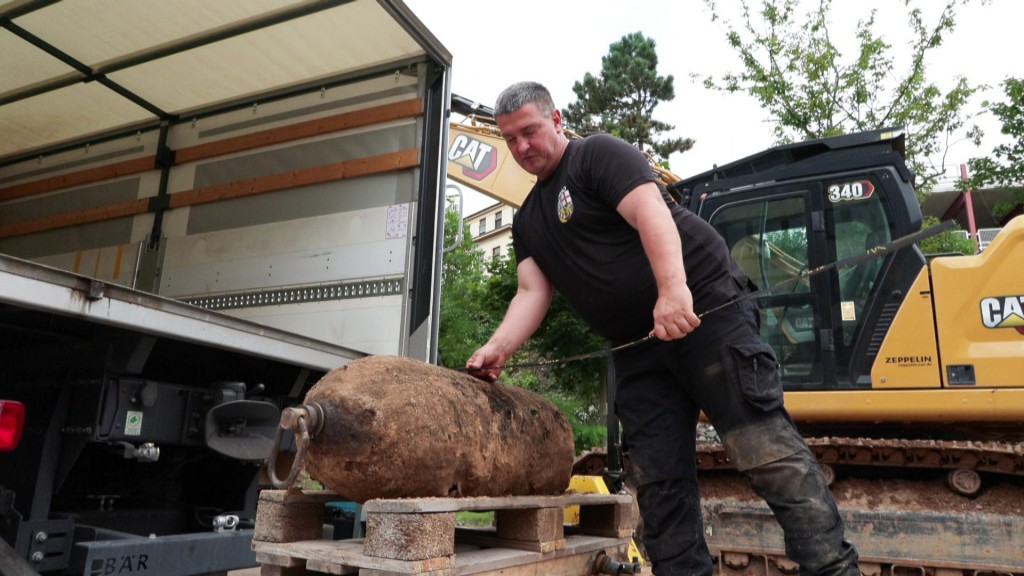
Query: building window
{"points": [[497, 219], [483, 226], [495, 252]]}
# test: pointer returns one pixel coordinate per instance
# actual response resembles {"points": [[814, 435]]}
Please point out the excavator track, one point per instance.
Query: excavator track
{"points": [[925, 507], [998, 457]]}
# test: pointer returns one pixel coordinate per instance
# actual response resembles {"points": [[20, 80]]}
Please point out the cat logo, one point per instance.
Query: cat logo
{"points": [[477, 158], [1003, 312]]}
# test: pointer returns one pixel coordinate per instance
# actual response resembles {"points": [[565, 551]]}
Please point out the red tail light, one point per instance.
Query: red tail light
{"points": [[12, 420]]}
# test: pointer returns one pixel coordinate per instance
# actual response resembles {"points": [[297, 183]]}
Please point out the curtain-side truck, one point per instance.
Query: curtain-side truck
{"points": [[193, 230]]}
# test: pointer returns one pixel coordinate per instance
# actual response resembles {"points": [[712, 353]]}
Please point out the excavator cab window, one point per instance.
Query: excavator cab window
{"points": [[768, 238], [859, 227], [777, 235]]}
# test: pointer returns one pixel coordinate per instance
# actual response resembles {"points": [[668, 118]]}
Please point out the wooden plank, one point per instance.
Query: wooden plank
{"points": [[489, 539], [279, 560], [576, 558], [413, 505], [271, 570], [345, 121], [322, 555], [85, 216], [88, 176], [344, 556], [286, 180], [403, 159]]}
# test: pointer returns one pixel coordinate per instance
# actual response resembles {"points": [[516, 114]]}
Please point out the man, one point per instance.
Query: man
{"points": [[597, 227]]}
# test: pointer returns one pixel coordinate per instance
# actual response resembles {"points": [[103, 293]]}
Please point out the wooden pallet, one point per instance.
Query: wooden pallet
{"points": [[419, 536]]}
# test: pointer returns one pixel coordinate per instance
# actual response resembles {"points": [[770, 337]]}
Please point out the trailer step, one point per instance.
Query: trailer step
{"points": [[420, 536]]}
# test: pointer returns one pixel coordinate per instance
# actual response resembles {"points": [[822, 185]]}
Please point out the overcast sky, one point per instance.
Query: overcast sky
{"points": [[555, 42]]}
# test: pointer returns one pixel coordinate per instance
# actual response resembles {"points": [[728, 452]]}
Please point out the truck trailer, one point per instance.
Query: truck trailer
{"points": [[203, 209]]}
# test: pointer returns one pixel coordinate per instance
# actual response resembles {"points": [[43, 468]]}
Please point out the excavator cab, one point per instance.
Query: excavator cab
{"points": [[791, 209]]}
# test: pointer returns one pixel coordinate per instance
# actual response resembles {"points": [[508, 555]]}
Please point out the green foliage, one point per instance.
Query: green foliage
{"points": [[562, 334], [587, 437], [811, 90], [474, 298], [949, 242], [471, 518], [587, 430], [1005, 167], [622, 99], [465, 323]]}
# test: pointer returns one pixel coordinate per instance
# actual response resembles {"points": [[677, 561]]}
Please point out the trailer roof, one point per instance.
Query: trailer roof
{"points": [[75, 71]]}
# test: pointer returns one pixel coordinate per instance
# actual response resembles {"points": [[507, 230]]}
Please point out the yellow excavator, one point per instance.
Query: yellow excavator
{"points": [[902, 367]]}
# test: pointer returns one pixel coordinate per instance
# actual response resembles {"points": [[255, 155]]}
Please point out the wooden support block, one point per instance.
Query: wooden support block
{"points": [[290, 515], [489, 539], [608, 520], [272, 570], [410, 536], [543, 525], [279, 560]]}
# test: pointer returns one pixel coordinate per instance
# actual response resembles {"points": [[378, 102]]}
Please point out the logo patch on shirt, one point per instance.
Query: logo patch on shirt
{"points": [[564, 205]]}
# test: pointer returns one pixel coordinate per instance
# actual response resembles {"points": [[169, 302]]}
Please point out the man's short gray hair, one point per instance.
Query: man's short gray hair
{"points": [[522, 93]]}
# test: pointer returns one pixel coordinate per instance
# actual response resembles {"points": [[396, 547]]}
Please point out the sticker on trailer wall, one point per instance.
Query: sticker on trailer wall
{"points": [[849, 191], [398, 221], [133, 423]]}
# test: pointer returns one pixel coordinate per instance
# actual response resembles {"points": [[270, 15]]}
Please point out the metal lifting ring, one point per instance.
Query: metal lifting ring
{"points": [[301, 421]]}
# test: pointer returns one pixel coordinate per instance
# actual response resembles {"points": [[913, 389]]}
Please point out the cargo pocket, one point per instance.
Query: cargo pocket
{"points": [[752, 368]]}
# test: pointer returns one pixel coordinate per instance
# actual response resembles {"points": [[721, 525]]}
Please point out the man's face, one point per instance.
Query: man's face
{"points": [[535, 140]]}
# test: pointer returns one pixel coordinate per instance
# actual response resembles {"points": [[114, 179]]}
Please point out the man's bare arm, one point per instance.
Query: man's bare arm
{"points": [[524, 315], [645, 209]]}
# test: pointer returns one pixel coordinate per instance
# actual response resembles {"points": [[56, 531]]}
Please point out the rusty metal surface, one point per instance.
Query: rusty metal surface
{"points": [[400, 428]]}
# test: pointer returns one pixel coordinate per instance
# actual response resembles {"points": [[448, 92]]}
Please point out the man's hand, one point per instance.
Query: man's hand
{"points": [[486, 362], [673, 313]]}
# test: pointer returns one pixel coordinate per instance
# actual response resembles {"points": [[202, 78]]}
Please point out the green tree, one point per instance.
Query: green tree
{"points": [[578, 388], [622, 99], [562, 334], [791, 65], [949, 242], [1005, 167], [465, 323]]}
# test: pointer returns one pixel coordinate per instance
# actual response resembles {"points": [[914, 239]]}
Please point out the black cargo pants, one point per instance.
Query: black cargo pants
{"points": [[725, 369]]}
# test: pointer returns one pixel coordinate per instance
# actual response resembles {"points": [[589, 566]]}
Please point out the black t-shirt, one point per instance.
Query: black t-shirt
{"points": [[569, 225]]}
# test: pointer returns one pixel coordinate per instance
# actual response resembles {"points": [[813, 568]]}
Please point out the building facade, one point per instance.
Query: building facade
{"points": [[491, 230]]}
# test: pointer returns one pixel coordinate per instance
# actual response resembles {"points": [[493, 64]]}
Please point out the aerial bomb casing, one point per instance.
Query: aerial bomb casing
{"points": [[399, 428]]}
